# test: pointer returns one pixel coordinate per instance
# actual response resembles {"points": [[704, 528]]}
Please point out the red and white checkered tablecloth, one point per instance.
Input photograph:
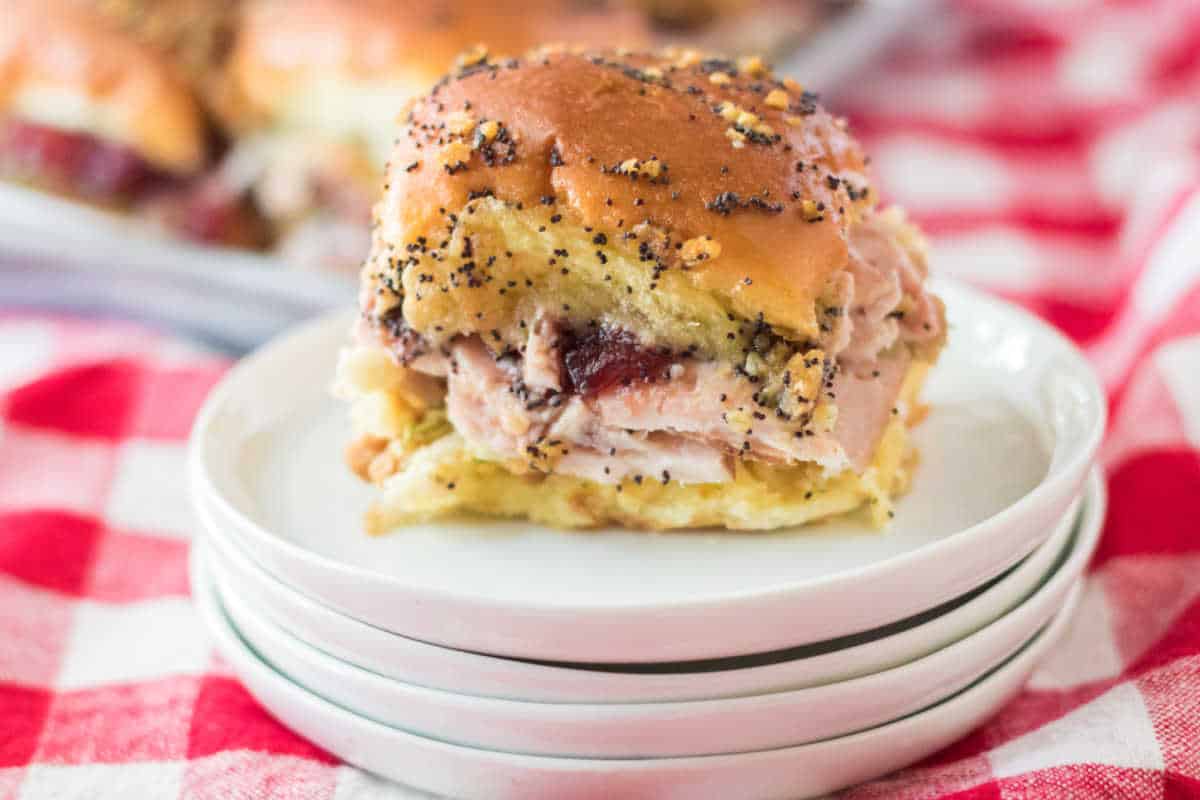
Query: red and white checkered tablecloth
{"points": [[1051, 150]]}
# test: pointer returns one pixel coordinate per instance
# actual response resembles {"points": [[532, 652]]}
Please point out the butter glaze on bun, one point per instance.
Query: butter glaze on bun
{"points": [[64, 67]]}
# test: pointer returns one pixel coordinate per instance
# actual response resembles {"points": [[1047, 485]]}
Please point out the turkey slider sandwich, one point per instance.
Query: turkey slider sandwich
{"points": [[88, 112], [649, 290], [319, 83], [93, 111]]}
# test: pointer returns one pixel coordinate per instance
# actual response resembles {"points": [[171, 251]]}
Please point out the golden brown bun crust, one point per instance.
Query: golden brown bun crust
{"points": [[282, 43], [58, 45], [574, 118]]}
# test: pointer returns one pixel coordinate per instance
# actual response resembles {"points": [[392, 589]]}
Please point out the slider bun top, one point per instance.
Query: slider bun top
{"points": [[287, 53], [64, 67], [738, 187]]}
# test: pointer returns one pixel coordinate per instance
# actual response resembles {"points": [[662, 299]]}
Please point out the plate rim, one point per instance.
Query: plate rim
{"points": [[217, 544], [533, 768], [1016, 628], [509, 715], [1088, 527]]}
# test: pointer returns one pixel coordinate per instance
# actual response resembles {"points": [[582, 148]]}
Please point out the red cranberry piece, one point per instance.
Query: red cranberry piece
{"points": [[108, 170], [607, 357], [85, 164]]}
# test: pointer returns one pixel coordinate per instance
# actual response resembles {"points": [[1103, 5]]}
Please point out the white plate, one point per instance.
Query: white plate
{"points": [[420, 663], [1017, 416], [473, 774], [658, 730]]}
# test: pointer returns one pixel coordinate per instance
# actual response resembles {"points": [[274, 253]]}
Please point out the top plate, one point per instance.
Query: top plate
{"points": [[1016, 419]]}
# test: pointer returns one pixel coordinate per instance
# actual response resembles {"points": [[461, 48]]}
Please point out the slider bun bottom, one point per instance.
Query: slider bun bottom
{"points": [[760, 497]]}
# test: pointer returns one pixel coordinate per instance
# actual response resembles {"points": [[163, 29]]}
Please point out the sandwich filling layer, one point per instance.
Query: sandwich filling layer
{"points": [[597, 401]]}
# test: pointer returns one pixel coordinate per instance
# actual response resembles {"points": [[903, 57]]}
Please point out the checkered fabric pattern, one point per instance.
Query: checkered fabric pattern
{"points": [[1052, 152]]}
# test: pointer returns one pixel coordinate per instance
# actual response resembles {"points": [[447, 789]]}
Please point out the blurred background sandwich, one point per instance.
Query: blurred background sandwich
{"points": [[320, 84], [97, 106]]}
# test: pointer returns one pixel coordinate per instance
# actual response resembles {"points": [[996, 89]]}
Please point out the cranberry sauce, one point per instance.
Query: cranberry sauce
{"points": [[200, 208], [82, 164], [605, 357]]}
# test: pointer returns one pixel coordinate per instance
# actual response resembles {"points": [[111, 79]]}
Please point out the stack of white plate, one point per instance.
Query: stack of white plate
{"points": [[482, 659]]}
